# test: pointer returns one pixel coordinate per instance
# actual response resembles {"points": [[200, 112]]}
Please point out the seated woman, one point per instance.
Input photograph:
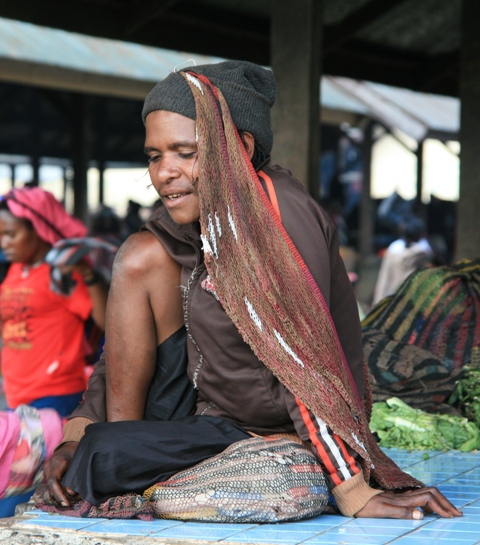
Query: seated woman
{"points": [[255, 258], [43, 346]]}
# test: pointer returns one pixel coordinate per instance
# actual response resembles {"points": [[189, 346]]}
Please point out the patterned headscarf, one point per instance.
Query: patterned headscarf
{"points": [[48, 217]]}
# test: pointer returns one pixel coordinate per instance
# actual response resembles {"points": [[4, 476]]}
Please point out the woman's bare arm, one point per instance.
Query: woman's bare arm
{"points": [[144, 308]]}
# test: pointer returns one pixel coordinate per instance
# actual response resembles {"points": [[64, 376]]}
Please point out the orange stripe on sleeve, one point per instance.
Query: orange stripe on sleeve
{"points": [[312, 432], [354, 468]]}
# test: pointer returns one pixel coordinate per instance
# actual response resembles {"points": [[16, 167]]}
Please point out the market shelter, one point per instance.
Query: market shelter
{"points": [[425, 45]]}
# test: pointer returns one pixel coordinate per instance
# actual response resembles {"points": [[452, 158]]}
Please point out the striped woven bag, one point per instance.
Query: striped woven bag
{"points": [[417, 341], [255, 480]]}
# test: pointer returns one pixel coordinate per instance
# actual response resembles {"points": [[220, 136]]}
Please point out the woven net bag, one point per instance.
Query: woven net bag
{"points": [[255, 480]]}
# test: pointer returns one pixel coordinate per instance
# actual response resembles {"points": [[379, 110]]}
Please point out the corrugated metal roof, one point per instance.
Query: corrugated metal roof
{"points": [[407, 43], [412, 112], [26, 42], [335, 98], [415, 114], [440, 113]]}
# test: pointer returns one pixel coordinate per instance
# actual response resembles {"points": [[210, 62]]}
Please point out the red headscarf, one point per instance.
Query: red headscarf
{"points": [[49, 218]]}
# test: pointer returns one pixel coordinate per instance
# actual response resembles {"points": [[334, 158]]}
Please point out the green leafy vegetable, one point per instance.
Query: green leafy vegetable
{"points": [[466, 395], [399, 425]]}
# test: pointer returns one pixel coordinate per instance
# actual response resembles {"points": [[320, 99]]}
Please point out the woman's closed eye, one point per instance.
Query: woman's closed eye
{"points": [[187, 155], [153, 158]]}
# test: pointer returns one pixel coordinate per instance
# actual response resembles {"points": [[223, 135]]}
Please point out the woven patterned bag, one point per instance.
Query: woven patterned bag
{"points": [[255, 480]]}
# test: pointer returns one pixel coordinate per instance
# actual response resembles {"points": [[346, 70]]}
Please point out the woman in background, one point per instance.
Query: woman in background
{"points": [[410, 252], [43, 341]]}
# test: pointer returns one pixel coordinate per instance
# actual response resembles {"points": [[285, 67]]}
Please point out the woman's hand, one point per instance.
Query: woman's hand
{"points": [[404, 505], [96, 287], [54, 470]]}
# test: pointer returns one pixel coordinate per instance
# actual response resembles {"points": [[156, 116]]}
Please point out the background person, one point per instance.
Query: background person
{"points": [[43, 344], [410, 252]]}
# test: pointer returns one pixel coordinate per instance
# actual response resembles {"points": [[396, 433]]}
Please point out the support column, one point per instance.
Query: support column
{"points": [[419, 208], [65, 186], [101, 182], [366, 209], [468, 209], [80, 155], [295, 53], [36, 170], [12, 174]]}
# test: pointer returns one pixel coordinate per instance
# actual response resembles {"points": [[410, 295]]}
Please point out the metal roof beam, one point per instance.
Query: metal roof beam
{"points": [[67, 79], [336, 35], [203, 29], [213, 32], [437, 69], [94, 19], [372, 63], [148, 13]]}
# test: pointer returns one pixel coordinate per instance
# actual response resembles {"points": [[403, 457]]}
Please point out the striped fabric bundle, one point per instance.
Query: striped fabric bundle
{"points": [[28, 437], [417, 341], [68, 252]]}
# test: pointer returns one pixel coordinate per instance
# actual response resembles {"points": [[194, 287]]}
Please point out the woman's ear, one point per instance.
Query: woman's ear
{"points": [[249, 143]]}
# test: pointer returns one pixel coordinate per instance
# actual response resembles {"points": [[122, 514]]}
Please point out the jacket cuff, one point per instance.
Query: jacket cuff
{"points": [[74, 429], [352, 495]]}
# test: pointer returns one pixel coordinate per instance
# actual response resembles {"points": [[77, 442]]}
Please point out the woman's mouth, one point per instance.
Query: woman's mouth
{"points": [[176, 196]]}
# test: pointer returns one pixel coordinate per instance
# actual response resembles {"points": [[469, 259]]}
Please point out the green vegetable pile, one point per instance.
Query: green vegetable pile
{"points": [[398, 425], [466, 395]]}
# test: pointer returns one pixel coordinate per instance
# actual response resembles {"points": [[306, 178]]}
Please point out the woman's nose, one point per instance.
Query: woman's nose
{"points": [[167, 170]]}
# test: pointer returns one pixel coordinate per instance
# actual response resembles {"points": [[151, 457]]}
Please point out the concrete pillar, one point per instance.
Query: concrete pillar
{"points": [[36, 170], [12, 174], [468, 210], [80, 155], [366, 226], [101, 182], [295, 53], [65, 185], [419, 154], [419, 207]]}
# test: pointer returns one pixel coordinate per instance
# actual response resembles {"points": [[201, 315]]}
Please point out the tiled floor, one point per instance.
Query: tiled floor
{"points": [[456, 474]]}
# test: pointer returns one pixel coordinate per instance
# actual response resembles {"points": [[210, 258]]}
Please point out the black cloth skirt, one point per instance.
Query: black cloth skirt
{"points": [[115, 458]]}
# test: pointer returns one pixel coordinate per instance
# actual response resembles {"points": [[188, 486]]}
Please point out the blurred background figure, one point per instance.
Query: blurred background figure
{"points": [[133, 220], [106, 225], [411, 251], [43, 329]]}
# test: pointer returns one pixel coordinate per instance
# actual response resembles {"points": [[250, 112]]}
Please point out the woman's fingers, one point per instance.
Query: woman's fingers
{"points": [[429, 499], [54, 470], [405, 505], [58, 493]]}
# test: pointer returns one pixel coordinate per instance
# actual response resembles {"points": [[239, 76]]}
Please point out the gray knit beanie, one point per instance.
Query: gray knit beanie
{"points": [[248, 89]]}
